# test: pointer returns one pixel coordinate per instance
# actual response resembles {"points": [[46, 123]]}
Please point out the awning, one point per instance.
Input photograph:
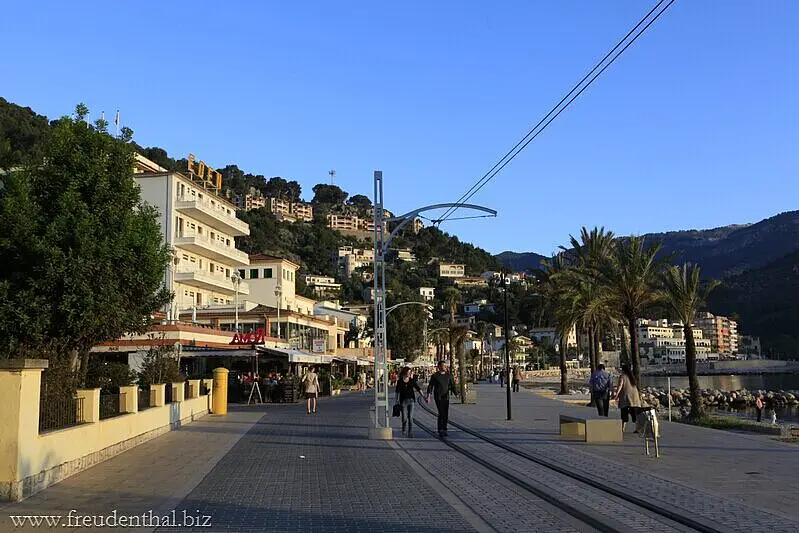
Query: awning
{"points": [[293, 356], [185, 353]]}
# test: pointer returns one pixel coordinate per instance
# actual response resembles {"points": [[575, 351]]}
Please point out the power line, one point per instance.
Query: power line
{"points": [[560, 106]]}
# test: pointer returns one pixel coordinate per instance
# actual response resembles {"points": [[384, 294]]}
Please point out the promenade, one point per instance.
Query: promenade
{"points": [[755, 470], [275, 468]]}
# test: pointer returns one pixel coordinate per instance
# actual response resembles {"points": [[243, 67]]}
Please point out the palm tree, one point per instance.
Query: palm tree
{"points": [[559, 305], [459, 337], [631, 275], [592, 250], [481, 329], [682, 292]]}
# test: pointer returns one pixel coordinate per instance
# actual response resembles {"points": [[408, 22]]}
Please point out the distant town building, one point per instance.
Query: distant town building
{"points": [[722, 332], [289, 211], [470, 282], [323, 285], [252, 200], [749, 347], [450, 270], [404, 254], [550, 335], [428, 293], [348, 259], [662, 341]]}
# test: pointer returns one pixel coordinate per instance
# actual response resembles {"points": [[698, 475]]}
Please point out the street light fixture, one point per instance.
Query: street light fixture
{"points": [[278, 294], [236, 279], [507, 341]]}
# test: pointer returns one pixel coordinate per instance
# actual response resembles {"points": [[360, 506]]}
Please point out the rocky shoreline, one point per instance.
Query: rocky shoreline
{"points": [[737, 399]]}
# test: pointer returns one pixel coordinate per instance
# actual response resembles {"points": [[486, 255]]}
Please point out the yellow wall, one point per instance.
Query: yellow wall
{"points": [[30, 462]]}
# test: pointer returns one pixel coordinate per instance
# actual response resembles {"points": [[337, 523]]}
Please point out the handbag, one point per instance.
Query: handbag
{"points": [[397, 411]]}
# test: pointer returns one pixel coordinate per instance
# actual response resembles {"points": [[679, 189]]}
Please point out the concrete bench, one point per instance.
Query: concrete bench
{"points": [[591, 429]]}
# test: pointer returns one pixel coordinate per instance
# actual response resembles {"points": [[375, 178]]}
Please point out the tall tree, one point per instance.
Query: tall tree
{"points": [[82, 258], [554, 284], [360, 201], [328, 194], [631, 275], [683, 292]]}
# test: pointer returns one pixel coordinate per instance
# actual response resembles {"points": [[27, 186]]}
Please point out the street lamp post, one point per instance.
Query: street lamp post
{"points": [[236, 279], [381, 243], [507, 339], [278, 294]]}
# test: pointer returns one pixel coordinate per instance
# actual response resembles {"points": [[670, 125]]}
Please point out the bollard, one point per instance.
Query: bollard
{"points": [[219, 406]]}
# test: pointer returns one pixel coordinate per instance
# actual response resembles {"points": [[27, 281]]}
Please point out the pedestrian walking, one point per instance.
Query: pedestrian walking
{"points": [[601, 384], [362, 382], [406, 397], [441, 385], [627, 396], [310, 384], [759, 406], [517, 378], [501, 378]]}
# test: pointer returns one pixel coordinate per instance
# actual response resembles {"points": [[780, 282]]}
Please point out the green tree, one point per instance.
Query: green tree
{"points": [[560, 306], [360, 201], [685, 295], [328, 194], [631, 275], [160, 365], [82, 258]]}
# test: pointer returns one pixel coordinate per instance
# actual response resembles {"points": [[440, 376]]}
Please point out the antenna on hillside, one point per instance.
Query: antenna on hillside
{"points": [[332, 175]]}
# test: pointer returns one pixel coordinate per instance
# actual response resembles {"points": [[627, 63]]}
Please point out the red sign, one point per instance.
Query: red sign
{"points": [[243, 339]]}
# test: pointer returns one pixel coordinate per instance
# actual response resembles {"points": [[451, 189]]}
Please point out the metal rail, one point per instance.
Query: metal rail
{"points": [[577, 513], [649, 506]]}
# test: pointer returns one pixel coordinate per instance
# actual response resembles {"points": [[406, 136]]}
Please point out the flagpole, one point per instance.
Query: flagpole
{"points": [[116, 121]]}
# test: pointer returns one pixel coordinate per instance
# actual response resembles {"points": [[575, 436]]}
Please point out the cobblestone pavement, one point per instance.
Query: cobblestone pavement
{"points": [[612, 511], [500, 503], [299, 472], [690, 475], [153, 476]]}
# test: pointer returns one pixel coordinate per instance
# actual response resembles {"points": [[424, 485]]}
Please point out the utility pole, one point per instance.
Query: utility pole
{"points": [[332, 174], [507, 340]]}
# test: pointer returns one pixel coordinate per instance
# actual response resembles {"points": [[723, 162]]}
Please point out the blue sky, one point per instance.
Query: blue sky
{"points": [[695, 126]]}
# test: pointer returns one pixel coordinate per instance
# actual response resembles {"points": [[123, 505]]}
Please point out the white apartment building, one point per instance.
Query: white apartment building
{"points": [[323, 285], [268, 273], [199, 226], [451, 270], [428, 293], [664, 342]]}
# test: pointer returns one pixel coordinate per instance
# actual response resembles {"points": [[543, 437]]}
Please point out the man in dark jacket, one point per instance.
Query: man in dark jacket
{"points": [[441, 384]]}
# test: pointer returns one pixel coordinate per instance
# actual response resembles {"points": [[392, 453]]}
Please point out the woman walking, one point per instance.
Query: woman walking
{"points": [[310, 382], [627, 396], [406, 396]]}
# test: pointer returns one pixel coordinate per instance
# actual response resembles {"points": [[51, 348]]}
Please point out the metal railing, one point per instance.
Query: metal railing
{"points": [[204, 389], [110, 405], [144, 399], [168, 393], [58, 413], [186, 389]]}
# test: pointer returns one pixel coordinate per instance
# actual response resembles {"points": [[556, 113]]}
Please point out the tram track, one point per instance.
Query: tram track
{"points": [[585, 516]]}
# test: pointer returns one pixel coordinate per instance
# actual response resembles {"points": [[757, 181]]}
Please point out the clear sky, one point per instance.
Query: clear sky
{"points": [[695, 126]]}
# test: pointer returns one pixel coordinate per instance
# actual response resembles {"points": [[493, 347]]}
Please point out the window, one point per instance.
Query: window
{"points": [[241, 273], [253, 273], [227, 272], [268, 273]]}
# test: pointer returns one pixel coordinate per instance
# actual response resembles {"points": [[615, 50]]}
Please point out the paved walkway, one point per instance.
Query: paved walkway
{"points": [[263, 468], [754, 472]]}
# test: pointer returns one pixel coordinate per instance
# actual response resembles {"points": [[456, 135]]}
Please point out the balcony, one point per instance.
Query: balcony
{"points": [[209, 282], [212, 214], [204, 246]]}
